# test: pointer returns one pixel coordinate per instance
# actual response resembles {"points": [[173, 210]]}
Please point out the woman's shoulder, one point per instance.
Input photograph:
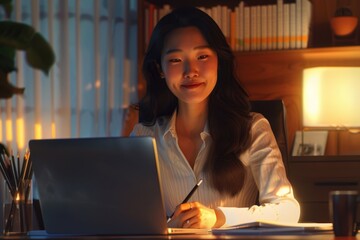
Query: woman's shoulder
{"points": [[258, 118], [260, 126]]}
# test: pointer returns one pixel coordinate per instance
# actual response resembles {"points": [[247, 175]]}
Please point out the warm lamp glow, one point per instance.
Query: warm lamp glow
{"points": [[9, 128], [20, 133], [38, 131], [53, 130], [331, 97], [1, 132]]}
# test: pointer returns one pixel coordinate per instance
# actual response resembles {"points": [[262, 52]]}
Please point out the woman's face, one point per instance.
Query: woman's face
{"points": [[189, 65]]}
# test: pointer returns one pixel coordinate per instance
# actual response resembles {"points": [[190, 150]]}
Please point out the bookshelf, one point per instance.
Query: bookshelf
{"points": [[248, 25]]}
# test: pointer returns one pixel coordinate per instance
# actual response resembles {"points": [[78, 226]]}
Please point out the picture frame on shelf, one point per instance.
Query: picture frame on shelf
{"points": [[310, 143]]}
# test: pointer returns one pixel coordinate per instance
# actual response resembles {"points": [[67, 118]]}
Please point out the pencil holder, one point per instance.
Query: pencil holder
{"points": [[16, 191]]}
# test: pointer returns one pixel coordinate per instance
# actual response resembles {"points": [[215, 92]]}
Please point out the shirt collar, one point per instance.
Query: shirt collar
{"points": [[171, 129]]}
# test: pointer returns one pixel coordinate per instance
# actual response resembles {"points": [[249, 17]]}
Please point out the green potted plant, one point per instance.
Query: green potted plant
{"points": [[19, 36]]}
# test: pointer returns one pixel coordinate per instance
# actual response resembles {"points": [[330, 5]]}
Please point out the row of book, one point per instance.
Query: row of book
{"points": [[278, 24]]}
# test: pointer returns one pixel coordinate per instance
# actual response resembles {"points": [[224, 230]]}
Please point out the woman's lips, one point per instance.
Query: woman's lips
{"points": [[191, 86]]}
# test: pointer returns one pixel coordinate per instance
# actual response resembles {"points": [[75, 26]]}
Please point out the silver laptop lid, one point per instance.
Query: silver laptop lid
{"points": [[95, 186]]}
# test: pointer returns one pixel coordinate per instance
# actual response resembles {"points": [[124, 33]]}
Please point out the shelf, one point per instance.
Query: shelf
{"points": [[346, 53], [311, 159]]}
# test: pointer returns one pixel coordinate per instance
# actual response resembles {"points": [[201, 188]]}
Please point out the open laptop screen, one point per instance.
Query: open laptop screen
{"points": [[96, 186]]}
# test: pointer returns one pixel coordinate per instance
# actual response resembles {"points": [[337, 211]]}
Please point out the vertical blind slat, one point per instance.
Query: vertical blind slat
{"points": [[111, 67], [65, 90], [79, 68], [37, 78], [20, 121], [97, 83], [127, 65], [51, 74]]}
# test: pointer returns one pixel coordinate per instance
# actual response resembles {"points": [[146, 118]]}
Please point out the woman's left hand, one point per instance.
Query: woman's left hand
{"points": [[193, 215]]}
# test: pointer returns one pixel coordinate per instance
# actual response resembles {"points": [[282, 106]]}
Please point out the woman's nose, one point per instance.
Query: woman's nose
{"points": [[191, 70]]}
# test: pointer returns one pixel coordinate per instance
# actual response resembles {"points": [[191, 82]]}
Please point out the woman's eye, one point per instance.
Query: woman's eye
{"points": [[201, 57], [174, 60]]}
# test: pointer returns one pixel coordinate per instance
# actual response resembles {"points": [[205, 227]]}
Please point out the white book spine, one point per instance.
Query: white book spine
{"points": [[253, 30], [292, 27], [280, 26], [247, 34], [298, 23], [264, 27], [286, 22], [269, 26], [274, 27], [306, 19], [258, 27]]}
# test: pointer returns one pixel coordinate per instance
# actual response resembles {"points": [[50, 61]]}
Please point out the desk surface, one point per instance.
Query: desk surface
{"points": [[200, 236]]}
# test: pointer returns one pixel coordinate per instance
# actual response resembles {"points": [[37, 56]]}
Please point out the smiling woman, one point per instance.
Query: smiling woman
{"points": [[199, 114]]}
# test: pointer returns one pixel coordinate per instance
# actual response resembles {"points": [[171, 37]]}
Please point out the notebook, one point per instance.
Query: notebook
{"points": [[100, 186], [271, 227]]}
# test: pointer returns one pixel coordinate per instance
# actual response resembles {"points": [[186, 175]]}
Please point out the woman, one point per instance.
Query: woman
{"points": [[200, 116]]}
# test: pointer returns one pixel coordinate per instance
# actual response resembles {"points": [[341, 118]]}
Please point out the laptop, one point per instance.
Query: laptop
{"points": [[100, 186]]}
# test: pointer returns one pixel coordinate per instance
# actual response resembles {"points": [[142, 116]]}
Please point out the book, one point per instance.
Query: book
{"points": [[241, 27], [292, 25], [280, 25], [286, 25], [269, 20], [271, 227], [247, 27], [264, 27], [306, 8], [253, 28]]}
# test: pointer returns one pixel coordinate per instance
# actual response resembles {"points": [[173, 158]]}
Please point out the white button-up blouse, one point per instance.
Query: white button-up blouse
{"points": [[265, 178]]}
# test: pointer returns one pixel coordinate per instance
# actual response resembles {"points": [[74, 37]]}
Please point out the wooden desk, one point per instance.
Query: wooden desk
{"points": [[210, 236], [313, 177]]}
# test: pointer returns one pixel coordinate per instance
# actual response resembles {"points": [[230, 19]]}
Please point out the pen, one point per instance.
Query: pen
{"points": [[187, 197]]}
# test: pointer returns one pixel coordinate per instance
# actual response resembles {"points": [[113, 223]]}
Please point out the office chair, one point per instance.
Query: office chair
{"points": [[274, 111]]}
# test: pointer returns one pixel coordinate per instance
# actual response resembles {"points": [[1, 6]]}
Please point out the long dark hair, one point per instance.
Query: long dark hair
{"points": [[229, 117]]}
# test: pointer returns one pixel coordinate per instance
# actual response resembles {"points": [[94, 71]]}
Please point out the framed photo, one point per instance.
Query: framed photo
{"points": [[313, 143]]}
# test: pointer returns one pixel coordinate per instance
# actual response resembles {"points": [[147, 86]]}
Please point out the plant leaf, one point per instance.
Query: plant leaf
{"points": [[16, 35], [40, 54]]}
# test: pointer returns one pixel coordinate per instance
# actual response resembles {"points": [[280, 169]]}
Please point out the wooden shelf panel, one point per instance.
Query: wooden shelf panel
{"points": [[278, 74]]}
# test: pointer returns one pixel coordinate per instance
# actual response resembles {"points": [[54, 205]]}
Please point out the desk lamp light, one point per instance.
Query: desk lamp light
{"points": [[331, 98]]}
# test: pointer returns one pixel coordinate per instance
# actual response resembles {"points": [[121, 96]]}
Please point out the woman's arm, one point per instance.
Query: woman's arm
{"points": [[276, 198]]}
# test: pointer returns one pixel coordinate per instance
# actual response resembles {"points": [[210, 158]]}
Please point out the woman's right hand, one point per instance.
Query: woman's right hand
{"points": [[196, 215]]}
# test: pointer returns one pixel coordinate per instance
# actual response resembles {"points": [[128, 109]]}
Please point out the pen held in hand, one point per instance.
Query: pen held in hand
{"points": [[187, 197]]}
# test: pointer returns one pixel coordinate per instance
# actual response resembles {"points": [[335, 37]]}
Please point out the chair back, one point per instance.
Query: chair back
{"points": [[275, 112]]}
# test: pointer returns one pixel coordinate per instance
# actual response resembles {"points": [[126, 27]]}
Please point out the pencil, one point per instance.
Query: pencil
{"points": [[187, 197]]}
